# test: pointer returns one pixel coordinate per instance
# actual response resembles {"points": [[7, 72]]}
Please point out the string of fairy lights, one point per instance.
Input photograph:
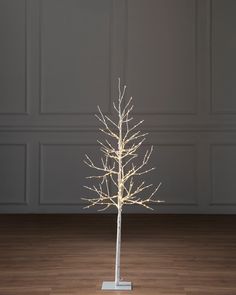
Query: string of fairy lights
{"points": [[117, 163]]}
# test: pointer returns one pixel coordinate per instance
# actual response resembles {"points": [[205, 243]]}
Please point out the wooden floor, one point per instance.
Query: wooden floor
{"points": [[68, 255]]}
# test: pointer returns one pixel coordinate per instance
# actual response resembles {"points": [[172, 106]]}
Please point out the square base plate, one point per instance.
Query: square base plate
{"points": [[112, 286]]}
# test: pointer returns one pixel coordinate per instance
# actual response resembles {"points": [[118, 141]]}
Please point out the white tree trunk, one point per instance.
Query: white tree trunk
{"points": [[118, 247], [120, 195]]}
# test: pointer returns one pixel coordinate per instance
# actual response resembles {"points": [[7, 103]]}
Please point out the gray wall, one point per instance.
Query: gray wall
{"points": [[59, 59]]}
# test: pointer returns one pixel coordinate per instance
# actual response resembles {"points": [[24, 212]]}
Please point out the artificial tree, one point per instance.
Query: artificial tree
{"points": [[118, 167]]}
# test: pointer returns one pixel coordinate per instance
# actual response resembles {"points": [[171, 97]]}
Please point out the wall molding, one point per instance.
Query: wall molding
{"points": [[26, 65], [150, 128], [126, 54], [196, 181], [212, 202], [213, 111], [111, 33], [26, 174], [41, 183]]}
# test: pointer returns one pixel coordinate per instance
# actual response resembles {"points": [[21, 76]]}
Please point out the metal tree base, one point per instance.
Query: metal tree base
{"points": [[127, 286]]}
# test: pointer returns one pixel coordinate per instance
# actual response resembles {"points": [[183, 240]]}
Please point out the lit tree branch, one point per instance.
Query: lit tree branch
{"points": [[120, 159]]}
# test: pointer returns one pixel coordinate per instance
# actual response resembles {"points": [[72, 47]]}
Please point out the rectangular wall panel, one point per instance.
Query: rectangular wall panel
{"points": [[161, 55], [223, 44], [223, 171], [176, 170], [75, 55], [13, 174], [13, 57], [63, 172]]}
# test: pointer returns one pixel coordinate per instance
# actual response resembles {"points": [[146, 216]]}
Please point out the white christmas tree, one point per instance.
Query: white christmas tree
{"points": [[117, 167]]}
